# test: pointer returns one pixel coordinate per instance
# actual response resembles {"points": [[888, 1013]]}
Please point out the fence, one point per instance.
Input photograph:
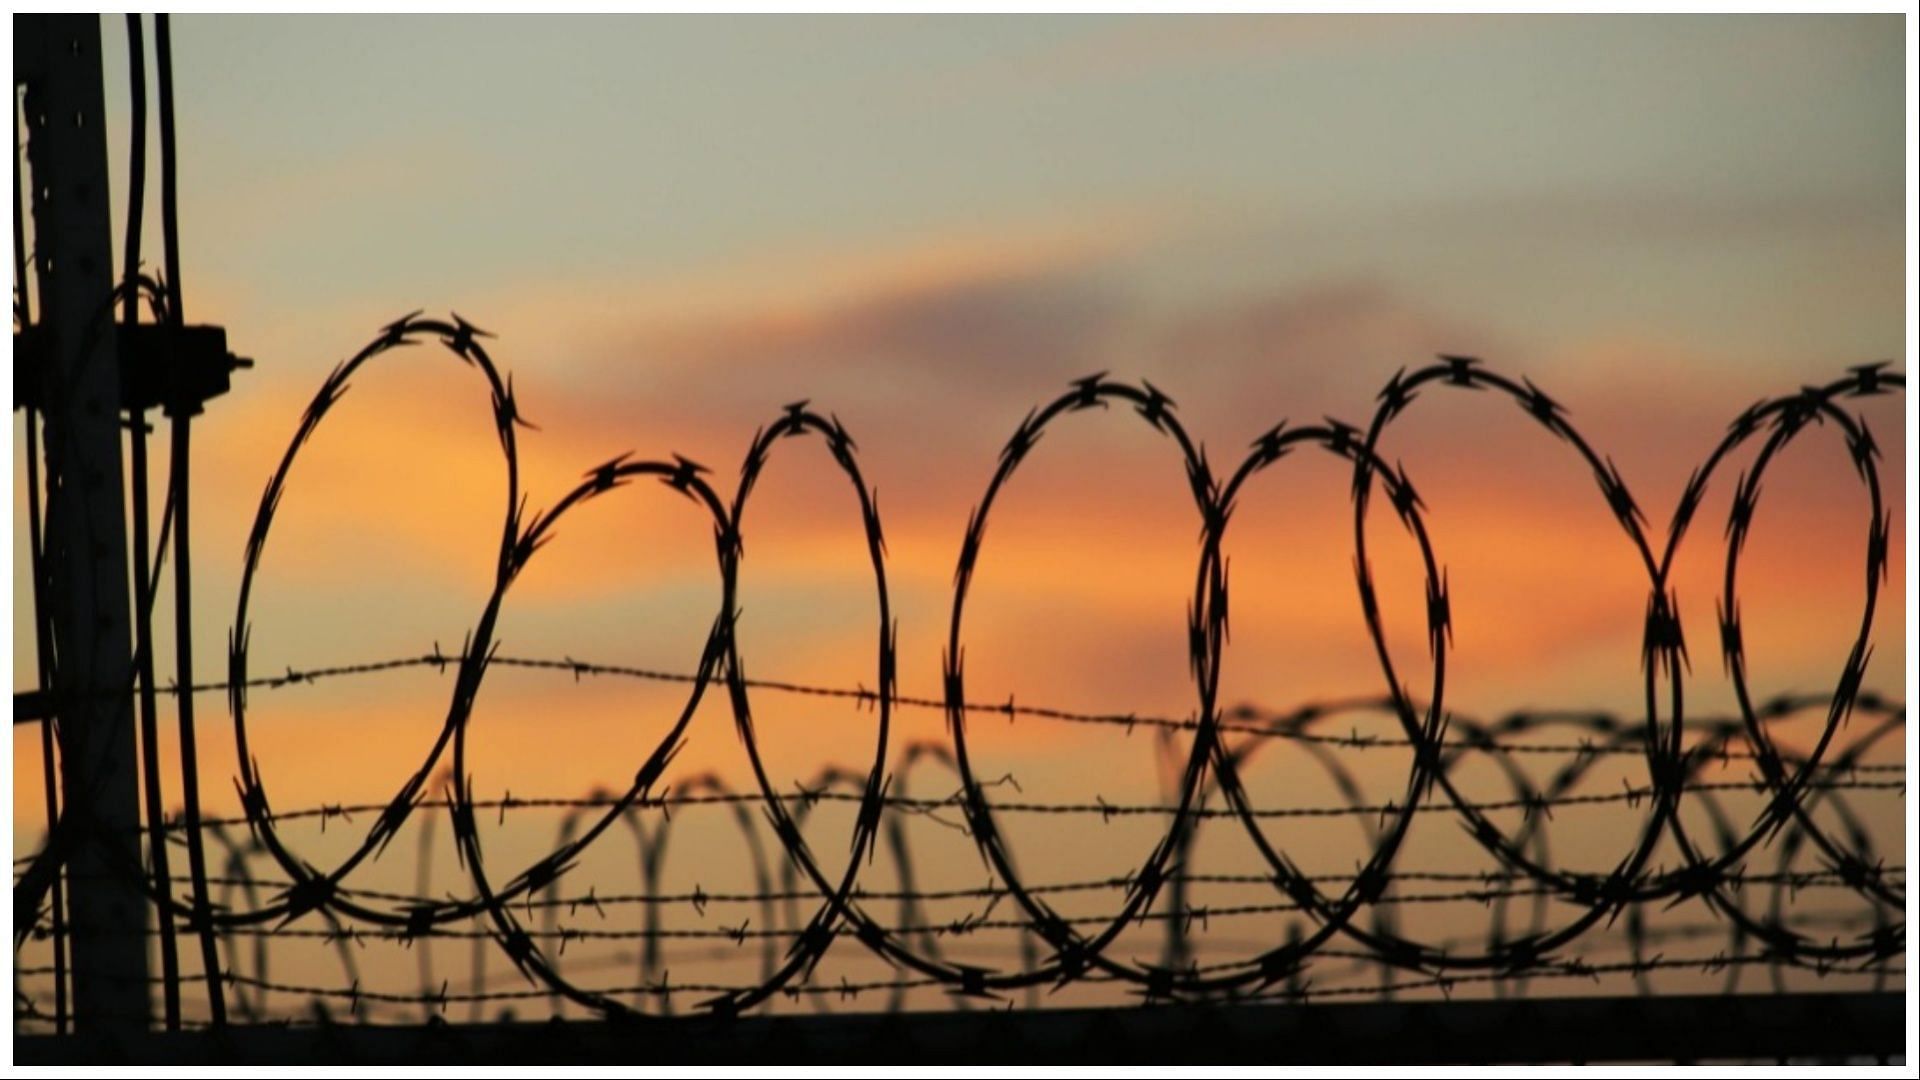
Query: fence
{"points": [[1341, 921]]}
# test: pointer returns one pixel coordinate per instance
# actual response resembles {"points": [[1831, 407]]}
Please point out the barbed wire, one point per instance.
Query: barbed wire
{"points": [[1249, 720], [847, 989], [1631, 796], [1487, 888], [958, 927], [1677, 751]]}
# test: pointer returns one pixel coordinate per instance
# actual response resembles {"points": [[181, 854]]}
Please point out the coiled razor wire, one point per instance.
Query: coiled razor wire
{"points": [[1793, 784]]}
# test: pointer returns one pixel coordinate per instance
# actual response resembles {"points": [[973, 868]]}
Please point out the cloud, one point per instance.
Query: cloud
{"points": [[1321, 349], [974, 332]]}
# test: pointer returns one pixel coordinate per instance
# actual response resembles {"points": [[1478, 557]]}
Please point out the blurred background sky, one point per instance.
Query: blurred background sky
{"points": [[676, 226]]}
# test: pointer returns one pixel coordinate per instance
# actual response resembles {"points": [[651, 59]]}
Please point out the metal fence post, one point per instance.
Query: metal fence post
{"points": [[58, 59]]}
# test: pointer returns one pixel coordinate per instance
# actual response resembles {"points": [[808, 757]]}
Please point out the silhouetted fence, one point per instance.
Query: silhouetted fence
{"points": [[1746, 877]]}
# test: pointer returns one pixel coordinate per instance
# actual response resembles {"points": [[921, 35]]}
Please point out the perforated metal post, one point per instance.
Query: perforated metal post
{"points": [[57, 58]]}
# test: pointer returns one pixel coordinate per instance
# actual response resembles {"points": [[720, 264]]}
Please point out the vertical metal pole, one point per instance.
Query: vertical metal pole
{"points": [[181, 408], [59, 59], [43, 633], [143, 585]]}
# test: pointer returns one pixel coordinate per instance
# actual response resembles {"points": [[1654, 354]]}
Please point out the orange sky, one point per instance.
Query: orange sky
{"points": [[1222, 213]]}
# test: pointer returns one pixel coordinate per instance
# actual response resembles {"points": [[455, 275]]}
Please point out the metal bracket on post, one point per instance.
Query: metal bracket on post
{"points": [[57, 58]]}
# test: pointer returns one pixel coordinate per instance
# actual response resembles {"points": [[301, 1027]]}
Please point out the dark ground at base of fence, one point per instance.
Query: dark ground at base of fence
{"points": [[1768, 1028]]}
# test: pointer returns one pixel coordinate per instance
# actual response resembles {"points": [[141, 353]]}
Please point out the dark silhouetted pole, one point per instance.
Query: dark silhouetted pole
{"points": [[58, 57]]}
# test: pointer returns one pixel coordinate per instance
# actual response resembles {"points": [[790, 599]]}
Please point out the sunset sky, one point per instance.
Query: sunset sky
{"points": [[927, 226]]}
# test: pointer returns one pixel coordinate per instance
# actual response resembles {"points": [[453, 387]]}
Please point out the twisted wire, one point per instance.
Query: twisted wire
{"points": [[1208, 782]]}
